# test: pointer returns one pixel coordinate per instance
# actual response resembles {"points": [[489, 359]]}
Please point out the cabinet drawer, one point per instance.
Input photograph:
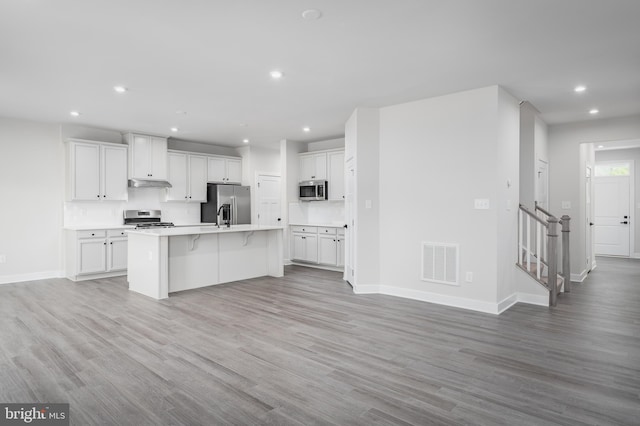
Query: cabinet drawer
{"points": [[327, 231], [117, 233], [340, 232], [305, 229], [100, 233]]}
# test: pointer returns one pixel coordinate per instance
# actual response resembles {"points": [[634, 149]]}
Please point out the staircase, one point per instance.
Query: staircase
{"points": [[541, 252]]}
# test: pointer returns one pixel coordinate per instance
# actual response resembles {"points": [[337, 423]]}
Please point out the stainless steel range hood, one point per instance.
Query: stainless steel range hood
{"points": [[148, 183]]}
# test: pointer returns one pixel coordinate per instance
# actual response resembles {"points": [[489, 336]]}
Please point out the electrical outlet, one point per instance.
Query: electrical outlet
{"points": [[3, 258], [150, 255], [481, 203], [469, 277]]}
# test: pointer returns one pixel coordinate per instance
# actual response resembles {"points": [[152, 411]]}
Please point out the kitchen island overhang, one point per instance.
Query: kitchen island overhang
{"points": [[163, 261]]}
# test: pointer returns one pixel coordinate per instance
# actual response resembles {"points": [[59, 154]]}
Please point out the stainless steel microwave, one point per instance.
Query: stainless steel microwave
{"points": [[312, 190]]}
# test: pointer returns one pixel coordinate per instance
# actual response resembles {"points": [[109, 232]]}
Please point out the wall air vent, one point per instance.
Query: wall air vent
{"points": [[440, 263]]}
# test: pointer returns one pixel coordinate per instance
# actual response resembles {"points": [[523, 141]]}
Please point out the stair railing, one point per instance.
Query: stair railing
{"points": [[565, 222], [538, 251]]}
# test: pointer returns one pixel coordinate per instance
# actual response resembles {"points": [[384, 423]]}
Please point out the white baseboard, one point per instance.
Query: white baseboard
{"points": [[366, 289], [581, 276], [453, 301], [441, 299], [507, 302], [533, 299], [635, 256], [34, 276]]}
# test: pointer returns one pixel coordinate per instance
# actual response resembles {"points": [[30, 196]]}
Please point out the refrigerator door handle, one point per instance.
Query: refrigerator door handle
{"points": [[234, 212]]}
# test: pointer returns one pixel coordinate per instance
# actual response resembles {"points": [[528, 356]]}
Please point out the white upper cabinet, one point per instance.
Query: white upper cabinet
{"points": [[177, 177], [148, 156], [312, 166], [336, 175], [114, 172], [224, 170], [96, 171], [197, 178], [188, 177]]}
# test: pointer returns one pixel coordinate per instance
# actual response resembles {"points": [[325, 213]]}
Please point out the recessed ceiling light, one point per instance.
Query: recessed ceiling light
{"points": [[245, 140], [120, 89], [275, 74], [75, 113], [594, 111], [311, 14], [174, 129], [579, 89], [306, 129], [600, 146]]}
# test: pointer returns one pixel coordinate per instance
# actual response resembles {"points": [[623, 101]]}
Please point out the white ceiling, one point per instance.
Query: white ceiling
{"points": [[212, 58]]}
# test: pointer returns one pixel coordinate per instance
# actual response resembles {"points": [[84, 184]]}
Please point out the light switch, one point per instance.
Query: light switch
{"points": [[367, 204], [481, 203], [566, 205]]}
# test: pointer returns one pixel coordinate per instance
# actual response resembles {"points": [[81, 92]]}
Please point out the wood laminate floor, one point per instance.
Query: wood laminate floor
{"points": [[304, 350]]}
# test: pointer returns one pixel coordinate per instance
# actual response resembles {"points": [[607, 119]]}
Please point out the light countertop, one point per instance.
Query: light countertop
{"points": [[204, 229], [97, 227], [320, 225]]}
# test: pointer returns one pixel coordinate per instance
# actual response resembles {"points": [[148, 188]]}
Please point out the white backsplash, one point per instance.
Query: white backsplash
{"points": [[317, 212], [94, 213]]}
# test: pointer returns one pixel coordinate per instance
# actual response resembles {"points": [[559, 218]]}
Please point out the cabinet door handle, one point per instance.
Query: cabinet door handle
{"points": [[189, 196], [104, 244], [104, 196], [98, 195], [93, 235], [111, 243]]}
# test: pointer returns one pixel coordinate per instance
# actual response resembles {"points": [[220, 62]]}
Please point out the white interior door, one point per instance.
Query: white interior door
{"points": [[268, 200], [349, 206], [589, 221], [611, 214], [542, 185]]}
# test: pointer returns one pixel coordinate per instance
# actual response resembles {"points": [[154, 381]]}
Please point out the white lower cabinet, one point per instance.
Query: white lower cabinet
{"points": [[321, 246], [340, 248], [305, 244], [95, 253], [327, 249]]}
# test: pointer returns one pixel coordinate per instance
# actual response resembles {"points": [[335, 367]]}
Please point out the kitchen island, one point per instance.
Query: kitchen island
{"points": [[163, 261]]}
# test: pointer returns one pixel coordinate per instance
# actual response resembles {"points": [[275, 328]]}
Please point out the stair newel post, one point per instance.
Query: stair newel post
{"points": [[552, 258], [566, 259]]}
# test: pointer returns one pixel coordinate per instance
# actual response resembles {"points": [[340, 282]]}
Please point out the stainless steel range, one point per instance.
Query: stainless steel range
{"points": [[145, 219]]}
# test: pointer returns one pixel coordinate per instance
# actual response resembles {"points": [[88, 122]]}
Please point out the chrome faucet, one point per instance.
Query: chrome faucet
{"points": [[225, 208]]}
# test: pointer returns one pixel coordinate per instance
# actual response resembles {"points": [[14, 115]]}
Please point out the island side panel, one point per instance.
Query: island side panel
{"points": [[147, 270], [275, 261], [193, 261], [243, 255]]}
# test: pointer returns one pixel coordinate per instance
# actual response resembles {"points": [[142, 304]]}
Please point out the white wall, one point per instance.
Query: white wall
{"points": [[567, 174], [533, 147], [289, 151], [634, 155], [326, 144], [258, 160], [31, 189], [362, 142], [436, 156]]}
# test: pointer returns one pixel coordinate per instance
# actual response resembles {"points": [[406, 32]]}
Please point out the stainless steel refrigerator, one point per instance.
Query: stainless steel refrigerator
{"points": [[232, 201]]}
